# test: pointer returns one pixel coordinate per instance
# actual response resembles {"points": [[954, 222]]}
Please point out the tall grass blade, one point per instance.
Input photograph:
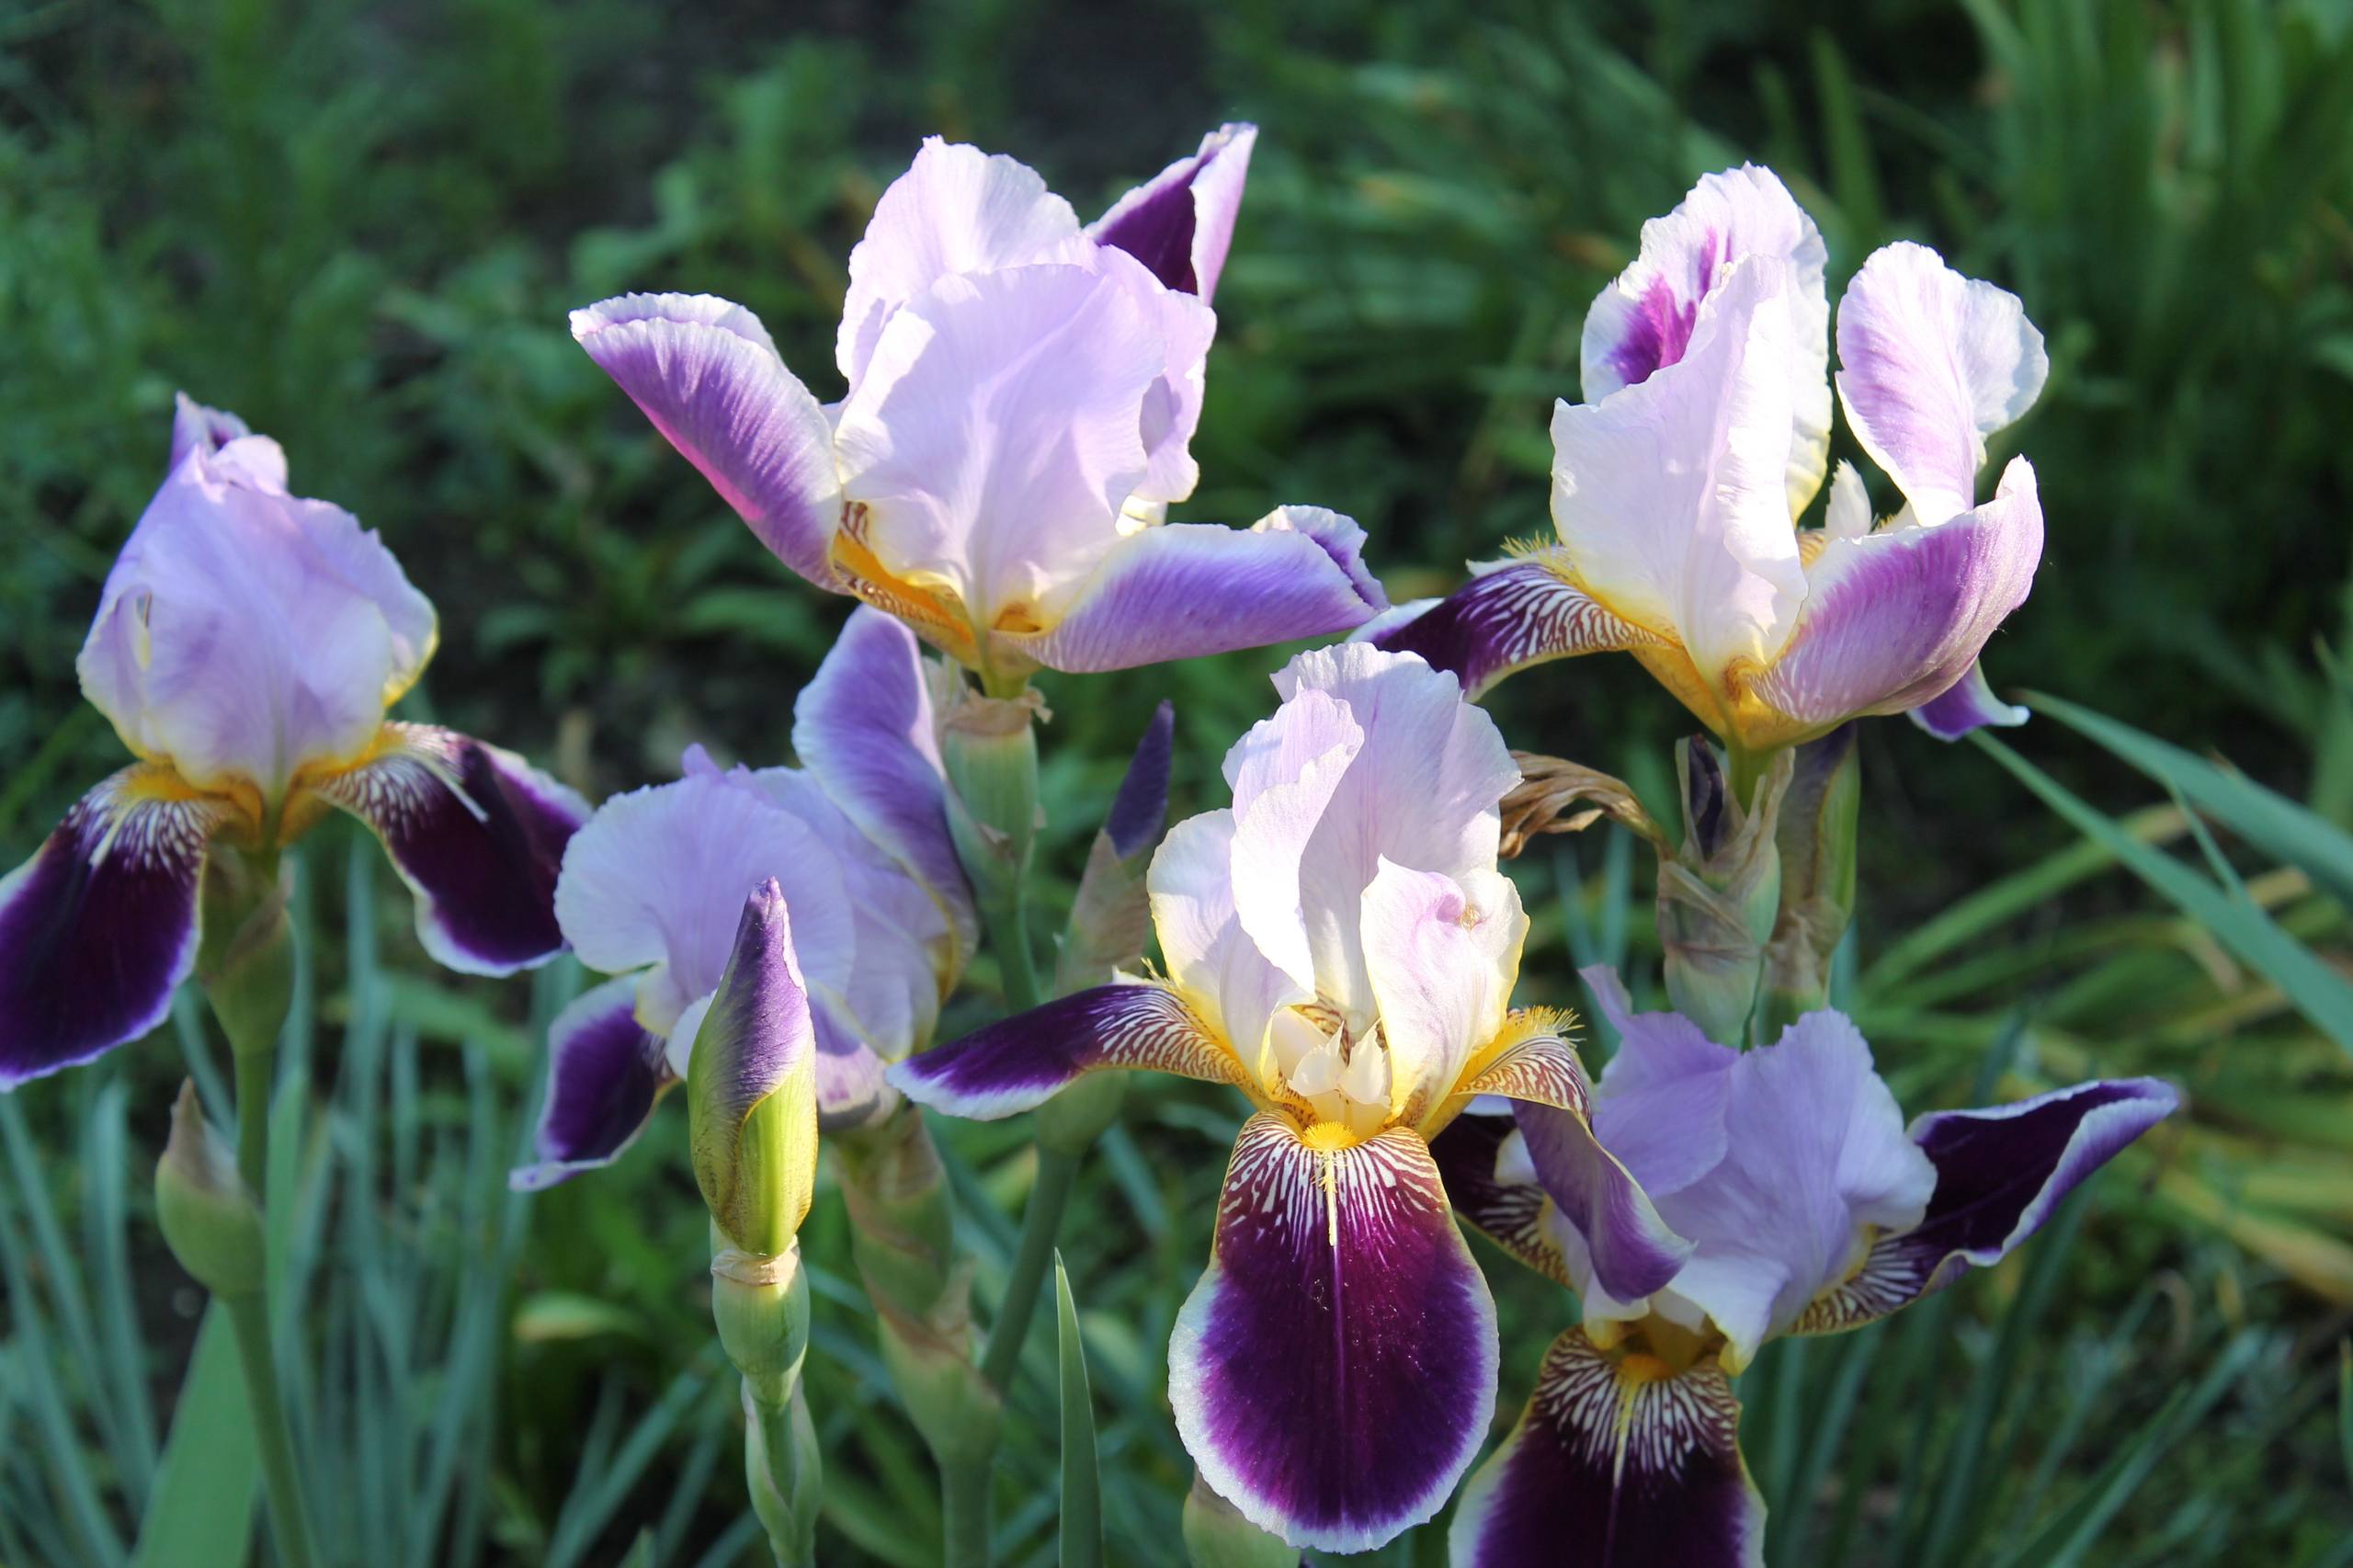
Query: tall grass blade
{"points": [[1082, 1508], [202, 1506]]}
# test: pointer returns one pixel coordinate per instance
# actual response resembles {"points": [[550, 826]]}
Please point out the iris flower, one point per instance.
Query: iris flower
{"points": [[1677, 486], [856, 840], [246, 648], [1022, 399], [1341, 948], [1812, 1209]]}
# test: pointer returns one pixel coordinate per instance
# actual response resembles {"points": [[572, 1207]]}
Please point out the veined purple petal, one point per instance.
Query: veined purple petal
{"points": [[1016, 1064], [1511, 615], [1968, 704], [197, 429], [477, 834], [1333, 1372], [1895, 618], [705, 372], [100, 926], [1183, 590], [605, 1073], [2000, 1171], [1180, 222], [1513, 1212], [1615, 1464], [864, 727]]}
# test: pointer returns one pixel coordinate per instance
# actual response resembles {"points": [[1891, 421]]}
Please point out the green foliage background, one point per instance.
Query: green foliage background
{"points": [[360, 225]]}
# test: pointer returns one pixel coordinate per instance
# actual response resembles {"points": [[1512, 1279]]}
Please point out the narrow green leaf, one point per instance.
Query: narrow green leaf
{"points": [[2344, 1403], [2321, 994], [201, 1509], [1082, 1516], [2278, 826]]}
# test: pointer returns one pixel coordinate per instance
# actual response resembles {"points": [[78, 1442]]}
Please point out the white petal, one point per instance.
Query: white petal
{"points": [[1443, 955]]}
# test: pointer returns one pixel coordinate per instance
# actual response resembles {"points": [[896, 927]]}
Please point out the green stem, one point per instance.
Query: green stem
{"points": [[254, 1075], [1057, 1172], [965, 1507], [290, 1521], [1008, 933], [1743, 769]]}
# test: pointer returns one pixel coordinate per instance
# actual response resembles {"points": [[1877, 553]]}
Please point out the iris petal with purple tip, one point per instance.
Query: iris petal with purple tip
{"points": [[605, 1073], [1614, 1465], [100, 926], [476, 832], [1016, 1064], [1968, 704], [1180, 222], [1509, 616], [1333, 1372]]}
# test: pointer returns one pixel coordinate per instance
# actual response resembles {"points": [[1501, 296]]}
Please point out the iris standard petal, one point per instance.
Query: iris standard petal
{"points": [[1616, 1463], [478, 835], [1645, 321], [863, 726], [1183, 590], [1180, 222], [1511, 614], [1999, 1174], [605, 1073], [197, 429], [1285, 772], [1968, 704], [997, 434], [1670, 497], [1895, 618], [1017, 1063], [1333, 1372], [1930, 363], [705, 372], [99, 927], [957, 210], [1229, 984], [1442, 954], [246, 634]]}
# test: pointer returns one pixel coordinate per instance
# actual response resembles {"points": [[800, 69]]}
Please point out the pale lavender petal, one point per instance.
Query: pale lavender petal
{"points": [[1896, 619], [1612, 1466], [1630, 1248], [197, 429], [852, 1091], [1442, 954], [957, 210], [864, 727], [1663, 1099], [246, 634], [1185, 590], [1511, 615], [1968, 704], [1017, 1063], [1333, 1372], [2000, 1173], [705, 374], [1930, 364], [99, 927], [478, 835], [1180, 222], [605, 1073]]}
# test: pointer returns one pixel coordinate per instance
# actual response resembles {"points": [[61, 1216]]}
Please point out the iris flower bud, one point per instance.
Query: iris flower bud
{"points": [[1719, 896], [208, 1218], [752, 1087]]}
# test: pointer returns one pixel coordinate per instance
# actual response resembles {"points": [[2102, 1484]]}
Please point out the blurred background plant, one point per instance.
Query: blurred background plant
{"points": [[360, 225]]}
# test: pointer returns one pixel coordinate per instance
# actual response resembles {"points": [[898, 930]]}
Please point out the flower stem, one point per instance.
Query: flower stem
{"points": [[290, 1521], [1041, 1220], [964, 1509], [1008, 933], [254, 1071]]}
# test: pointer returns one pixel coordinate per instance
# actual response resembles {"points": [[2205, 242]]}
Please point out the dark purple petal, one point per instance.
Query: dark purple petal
{"points": [[605, 1073], [1615, 1464], [1333, 1372], [477, 833], [1502, 622], [1183, 590], [1512, 1214], [1180, 222], [1142, 805], [1968, 704], [2000, 1171], [1017, 1063], [705, 373], [99, 926]]}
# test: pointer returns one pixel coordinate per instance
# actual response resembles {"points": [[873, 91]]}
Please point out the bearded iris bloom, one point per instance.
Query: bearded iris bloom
{"points": [[1341, 948], [1677, 486], [1812, 1209], [1022, 399], [247, 645], [856, 840]]}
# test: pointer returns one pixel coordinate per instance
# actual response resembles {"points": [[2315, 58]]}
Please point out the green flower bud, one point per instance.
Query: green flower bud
{"points": [[210, 1220], [752, 1087], [761, 1305], [989, 749], [1718, 898], [1816, 841]]}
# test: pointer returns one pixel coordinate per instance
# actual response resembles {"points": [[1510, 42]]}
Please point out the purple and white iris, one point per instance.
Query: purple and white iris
{"points": [[1677, 486], [1342, 950], [1811, 1208], [246, 648], [855, 838], [1022, 399]]}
